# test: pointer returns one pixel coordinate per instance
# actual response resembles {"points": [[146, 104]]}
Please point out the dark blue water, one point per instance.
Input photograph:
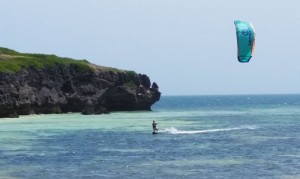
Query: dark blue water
{"points": [[255, 136]]}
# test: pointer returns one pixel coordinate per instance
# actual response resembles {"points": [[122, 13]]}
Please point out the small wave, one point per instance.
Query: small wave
{"points": [[173, 130]]}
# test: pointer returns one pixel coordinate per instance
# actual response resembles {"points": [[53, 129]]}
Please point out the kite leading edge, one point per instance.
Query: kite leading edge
{"points": [[245, 40]]}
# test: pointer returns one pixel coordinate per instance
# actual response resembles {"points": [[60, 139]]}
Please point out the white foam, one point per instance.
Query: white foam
{"points": [[173, 130]]}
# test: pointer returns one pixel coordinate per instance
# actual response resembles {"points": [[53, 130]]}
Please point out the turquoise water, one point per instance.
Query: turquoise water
{"points": [[199, 137]]}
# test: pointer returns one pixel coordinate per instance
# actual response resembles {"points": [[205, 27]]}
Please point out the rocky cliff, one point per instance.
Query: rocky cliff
{"points": [[43, 84]]}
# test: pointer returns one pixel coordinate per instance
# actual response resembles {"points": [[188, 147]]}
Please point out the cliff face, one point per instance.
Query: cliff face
{"points": [[67, 88]]}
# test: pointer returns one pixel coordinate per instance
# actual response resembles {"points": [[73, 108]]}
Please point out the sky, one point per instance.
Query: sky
{"points": [[188, 47]]}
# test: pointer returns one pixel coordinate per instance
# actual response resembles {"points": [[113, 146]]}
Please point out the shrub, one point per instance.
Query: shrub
{"points": [[12, 61]]}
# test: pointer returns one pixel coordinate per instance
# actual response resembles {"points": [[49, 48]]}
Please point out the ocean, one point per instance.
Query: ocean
{"points": [[246, 136]]}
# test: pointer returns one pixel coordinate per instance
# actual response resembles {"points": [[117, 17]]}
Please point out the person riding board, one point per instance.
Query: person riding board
{"points": [[154, 126]]}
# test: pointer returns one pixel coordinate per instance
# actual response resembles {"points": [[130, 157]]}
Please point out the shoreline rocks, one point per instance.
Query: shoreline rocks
{"points": [[65, 88]]}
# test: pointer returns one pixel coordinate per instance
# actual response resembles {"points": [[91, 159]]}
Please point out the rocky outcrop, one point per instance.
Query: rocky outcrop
{"points": [[66, 88]]}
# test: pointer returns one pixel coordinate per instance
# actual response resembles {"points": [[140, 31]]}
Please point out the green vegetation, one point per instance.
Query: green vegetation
{"points": [[130, 84], [8, 51], [131, 77], [12, 61], [131, 74]]}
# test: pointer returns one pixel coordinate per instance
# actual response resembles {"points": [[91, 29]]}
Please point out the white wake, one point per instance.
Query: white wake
{"points": [[173, 130]]}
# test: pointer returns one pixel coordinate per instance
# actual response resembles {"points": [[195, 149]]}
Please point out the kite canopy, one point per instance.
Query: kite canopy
{"points": [[245, 40]]}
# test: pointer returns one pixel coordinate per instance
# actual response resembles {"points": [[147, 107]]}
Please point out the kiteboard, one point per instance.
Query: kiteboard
{"points": [[154, 133]]}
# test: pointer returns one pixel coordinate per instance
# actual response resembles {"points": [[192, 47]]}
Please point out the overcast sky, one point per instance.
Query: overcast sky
{"points": [[187, 46]]}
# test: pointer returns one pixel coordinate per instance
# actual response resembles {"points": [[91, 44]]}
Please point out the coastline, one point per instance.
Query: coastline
{"points": [[45, 84]]}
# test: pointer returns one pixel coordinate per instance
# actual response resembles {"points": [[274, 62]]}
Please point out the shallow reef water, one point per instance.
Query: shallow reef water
{"points": [[249, 136]]}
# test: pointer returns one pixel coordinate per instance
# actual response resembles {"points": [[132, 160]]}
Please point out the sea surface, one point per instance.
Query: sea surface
{"points": [[248, 136]]}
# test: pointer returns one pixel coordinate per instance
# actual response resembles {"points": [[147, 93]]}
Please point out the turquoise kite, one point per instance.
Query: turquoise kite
{"points": [[245, 40]]}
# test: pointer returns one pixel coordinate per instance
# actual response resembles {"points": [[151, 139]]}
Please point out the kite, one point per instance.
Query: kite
{"points": [[245, 40]]}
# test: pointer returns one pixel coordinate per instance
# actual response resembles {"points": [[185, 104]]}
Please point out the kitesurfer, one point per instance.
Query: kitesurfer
{"points": [[154, 124]]}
